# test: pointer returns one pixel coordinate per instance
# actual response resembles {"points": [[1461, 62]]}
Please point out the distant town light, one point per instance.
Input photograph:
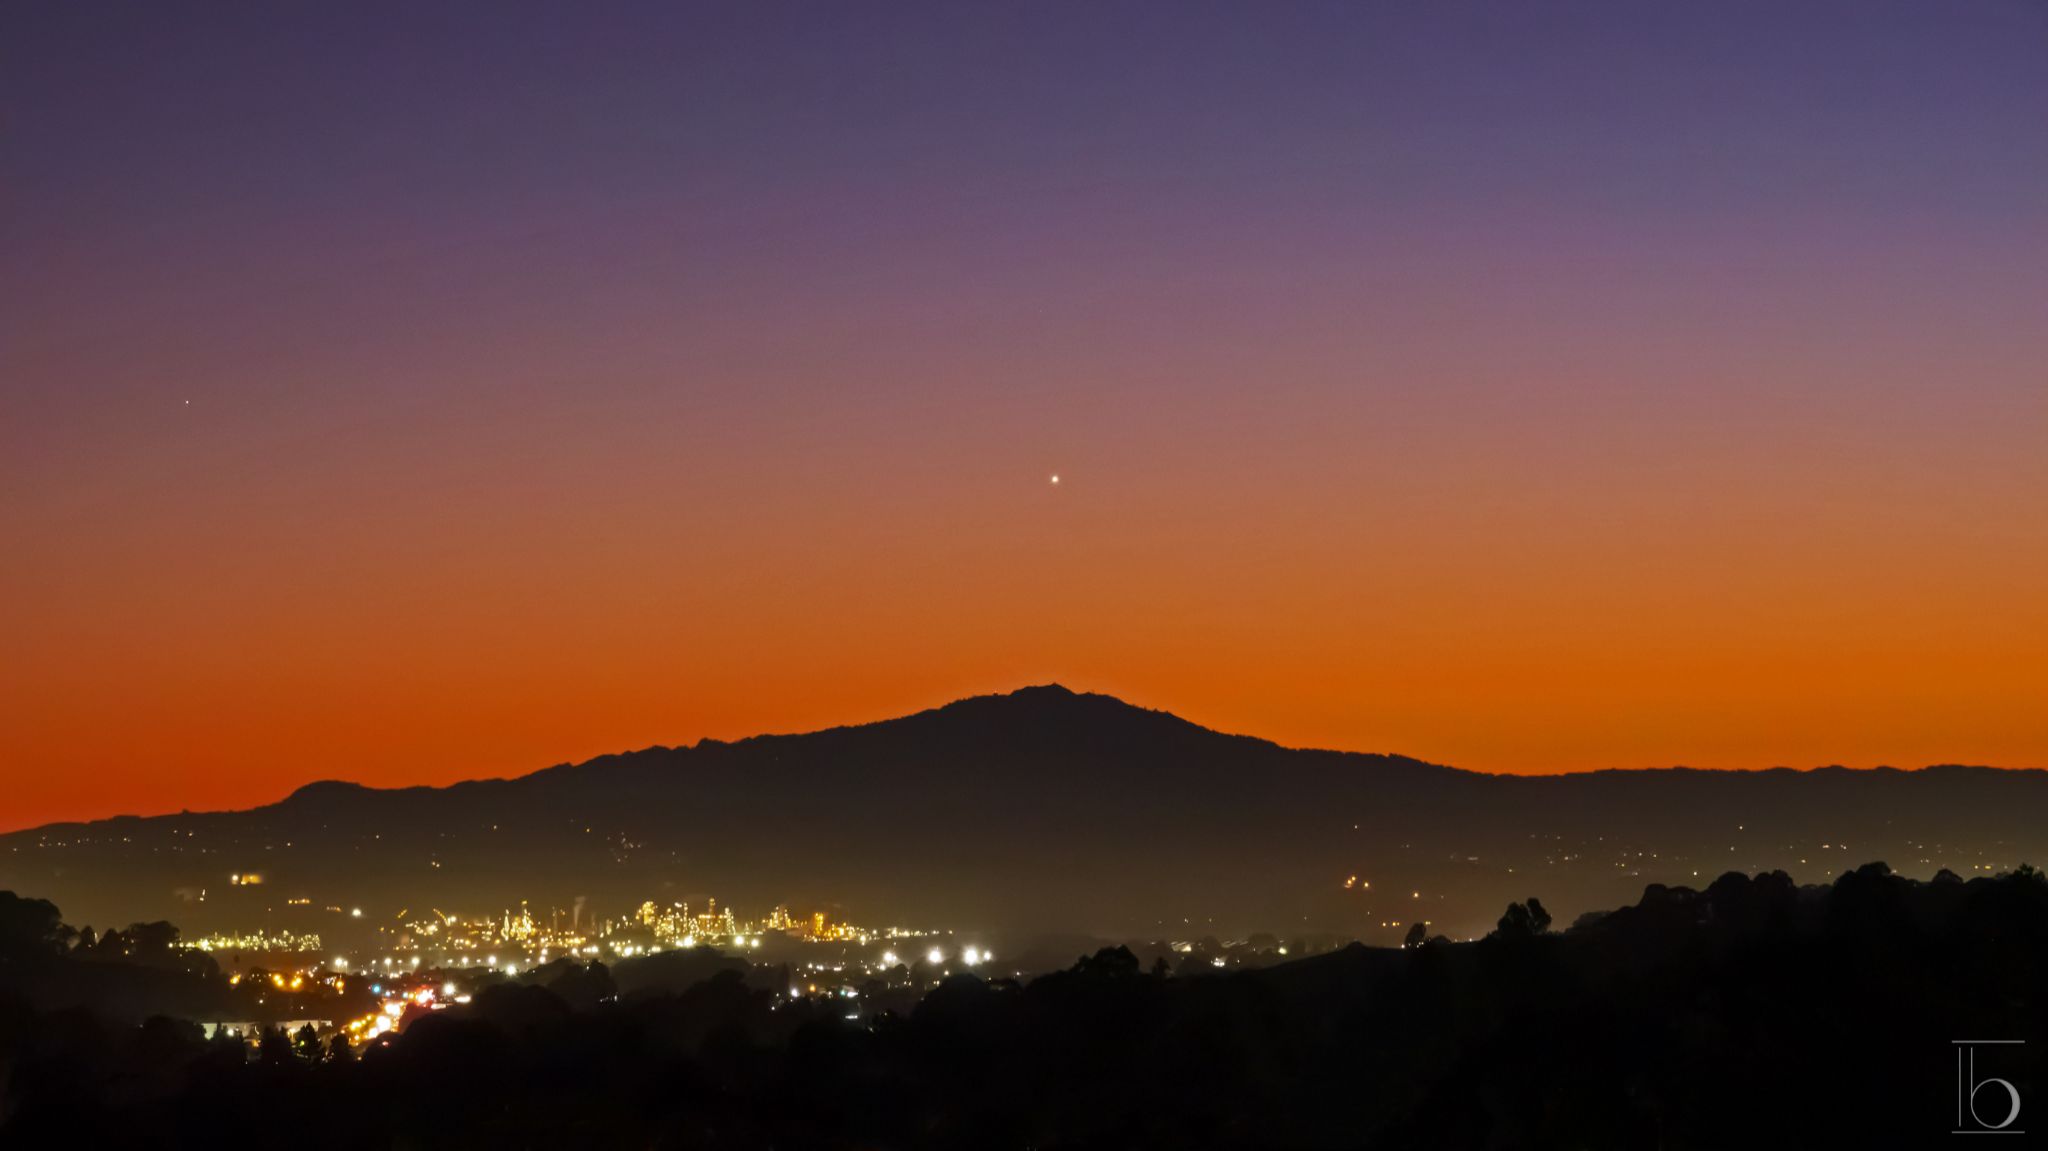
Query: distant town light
{"points": [[935, 956]]}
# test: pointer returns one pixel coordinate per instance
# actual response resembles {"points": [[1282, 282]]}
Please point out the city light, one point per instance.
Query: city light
{"points": [[441, 942]]}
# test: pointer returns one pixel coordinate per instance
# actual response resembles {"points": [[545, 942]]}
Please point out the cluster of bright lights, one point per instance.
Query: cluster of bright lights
{"points": [[969, 957], [255, 941]]}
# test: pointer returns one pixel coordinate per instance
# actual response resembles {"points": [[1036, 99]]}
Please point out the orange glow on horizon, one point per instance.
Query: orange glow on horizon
{"points": [[206, 659]]}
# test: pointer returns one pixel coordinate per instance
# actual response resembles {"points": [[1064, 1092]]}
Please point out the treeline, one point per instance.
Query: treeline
{"points": [[125, 976], [1753, 1013]]}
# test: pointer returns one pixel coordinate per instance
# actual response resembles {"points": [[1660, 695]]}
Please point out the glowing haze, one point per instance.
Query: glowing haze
{"points": [[408, 393]]}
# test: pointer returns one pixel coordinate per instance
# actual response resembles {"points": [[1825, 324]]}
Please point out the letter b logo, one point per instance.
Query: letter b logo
{"points": [[1984, 1102]]}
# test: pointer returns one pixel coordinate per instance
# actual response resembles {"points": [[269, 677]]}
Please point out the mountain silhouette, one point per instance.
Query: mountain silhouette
{"points": [[1041, 809]]}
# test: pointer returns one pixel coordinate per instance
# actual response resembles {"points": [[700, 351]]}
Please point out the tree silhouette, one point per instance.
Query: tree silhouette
{"points": [[1109, 963], [1418, 934], [274, 1047], [583, 986], [29, 924], [1524, 920]]}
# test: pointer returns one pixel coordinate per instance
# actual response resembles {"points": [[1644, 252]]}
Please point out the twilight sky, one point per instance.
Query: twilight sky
{"points": [[406, 393]]}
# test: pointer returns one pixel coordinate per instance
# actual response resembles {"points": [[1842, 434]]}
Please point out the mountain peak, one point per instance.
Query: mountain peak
{"points": [[325, 789], [1050, 690], [1053, 706]]}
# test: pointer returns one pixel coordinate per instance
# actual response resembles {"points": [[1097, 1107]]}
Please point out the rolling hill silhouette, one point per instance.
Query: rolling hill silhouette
{"points": [[1041, 809]]}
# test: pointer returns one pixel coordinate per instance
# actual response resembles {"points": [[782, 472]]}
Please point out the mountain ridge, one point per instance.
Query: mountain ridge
{"points": [[976, 704], [1041, 807], [963, 708]]}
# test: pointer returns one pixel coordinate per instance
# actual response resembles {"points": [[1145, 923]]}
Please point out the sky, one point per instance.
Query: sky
{"points": [[409, 393]]}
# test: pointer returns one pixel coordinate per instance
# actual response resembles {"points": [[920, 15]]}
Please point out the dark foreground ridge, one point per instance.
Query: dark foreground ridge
{"points": [[1043, 809], [1753, 1013]]}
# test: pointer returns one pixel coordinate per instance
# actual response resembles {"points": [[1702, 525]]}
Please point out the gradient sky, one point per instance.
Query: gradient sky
{"points": [[406, 393]]}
